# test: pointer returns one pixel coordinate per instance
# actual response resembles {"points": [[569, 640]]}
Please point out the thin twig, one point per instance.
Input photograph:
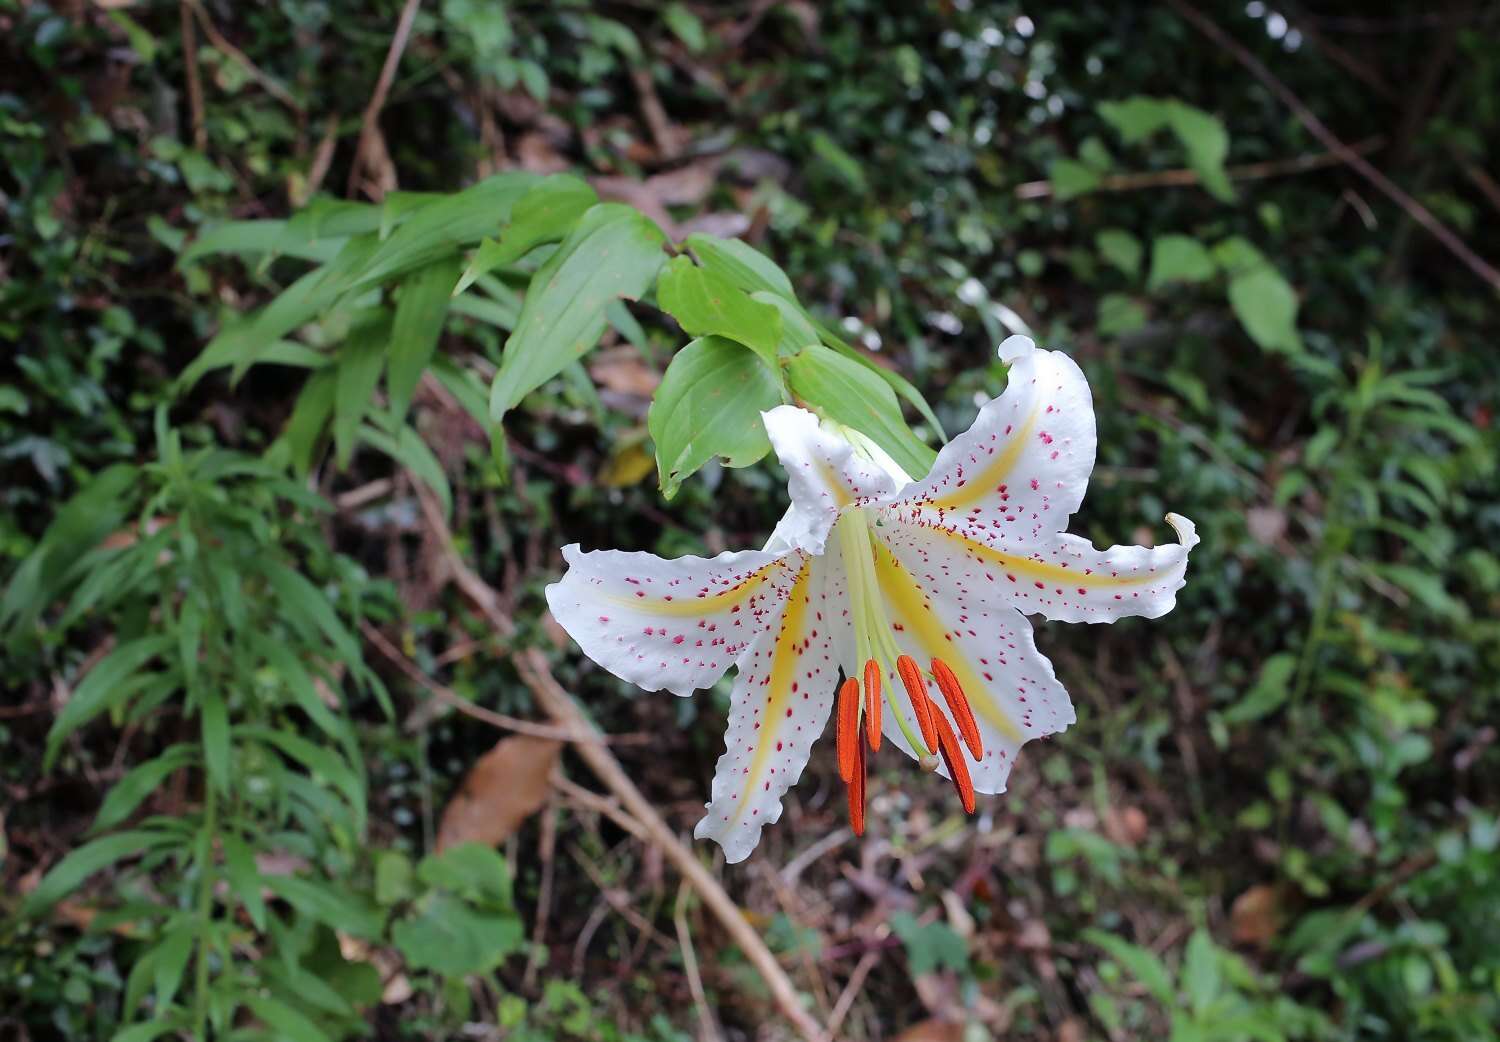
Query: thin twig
{"points": [[582, 797], [708, 1029], [452, 698], [1184, 177], [1329, 140], [537, 675], [368, 122], [268, 83], [194, 77], [846, 998]]}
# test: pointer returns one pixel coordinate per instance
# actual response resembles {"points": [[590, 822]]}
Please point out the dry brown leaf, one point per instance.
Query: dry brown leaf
{"points": [[505, 786], [1256, 915], [622, 369], [1126, 826], [933, 1030]]}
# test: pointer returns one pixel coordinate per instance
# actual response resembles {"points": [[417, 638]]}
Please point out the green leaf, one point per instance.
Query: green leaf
{"points": [[1179, 258], [437, 229], [546, 213], [1071, 178], [408, 449], [844, 390], [1266, 306], [1137, 118], [309, 418], [1269, 691], [101, 686], [420, 308], [214, 721], [84, 861], [613, 252], [360, 364], [797, 330], [709, 404], [474, 871], [138, 783], [333, 907], [300, 599], [244, 877], [320, 762], [686, 26], [288, 1023], [393, 877], [930, 946], [1200, 971], [169, 960], [1121, 249], [1120, 314], [450, 937], [1141, 963], [741, 263], [838, 160], [706, 303], [1207, 144]]}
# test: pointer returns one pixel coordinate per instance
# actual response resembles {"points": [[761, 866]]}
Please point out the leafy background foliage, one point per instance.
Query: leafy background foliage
{"points": [[245, 348]]}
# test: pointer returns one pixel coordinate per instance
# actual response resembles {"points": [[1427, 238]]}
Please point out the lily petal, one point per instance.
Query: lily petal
{"points": [[674, 624], [1062, 577], [1010, 686], [780, 704], [1022, 468], [824, 475]]}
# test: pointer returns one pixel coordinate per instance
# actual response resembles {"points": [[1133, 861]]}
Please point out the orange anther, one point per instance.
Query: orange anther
{"points": [[857, 792], [872, 705], [916, 690], [847, 733], [958, 703], [953, 757]]}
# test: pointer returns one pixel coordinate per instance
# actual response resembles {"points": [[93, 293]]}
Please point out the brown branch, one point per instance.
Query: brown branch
{"points": [[268, 83], [1329, 140], [194, 77], [369, 132], [537, 675], [1183, 177], [452, 698]]}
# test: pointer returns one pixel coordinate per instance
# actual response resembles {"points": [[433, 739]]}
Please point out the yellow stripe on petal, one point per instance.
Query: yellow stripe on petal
{"points": [[835, 482], [692, 606], [989, 477], [784, 657], [1039, 571], [902, 593]]}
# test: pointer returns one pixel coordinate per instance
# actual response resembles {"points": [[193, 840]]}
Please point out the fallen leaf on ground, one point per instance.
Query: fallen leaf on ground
{"points": [[1256, 915], [505, 786], [933, 1030]]}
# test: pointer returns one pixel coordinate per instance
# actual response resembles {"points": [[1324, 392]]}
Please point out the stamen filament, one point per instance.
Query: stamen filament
{"points": [[872, 704], [916, 690], [857, 792], [847, 732], [958, 704], [953, 757]]}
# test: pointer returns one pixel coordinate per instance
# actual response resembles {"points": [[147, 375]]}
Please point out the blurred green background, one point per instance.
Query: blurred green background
{"points": [[1277, 815]]}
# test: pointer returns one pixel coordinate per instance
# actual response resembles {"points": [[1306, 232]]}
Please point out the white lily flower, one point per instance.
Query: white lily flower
{"points": [[883, 581]]}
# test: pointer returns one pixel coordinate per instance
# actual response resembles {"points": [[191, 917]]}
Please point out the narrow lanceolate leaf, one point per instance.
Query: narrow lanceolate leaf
{"points": [[214, 725], [706, 303], [546, 213], [360, 364], [408, 449], [437, 229], [709, 404], [286, 1021], [846, 391], [101, 686], [84, 861], [613, 252], [420, 306], [309, 418], [141, 781], [244, 877]]}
